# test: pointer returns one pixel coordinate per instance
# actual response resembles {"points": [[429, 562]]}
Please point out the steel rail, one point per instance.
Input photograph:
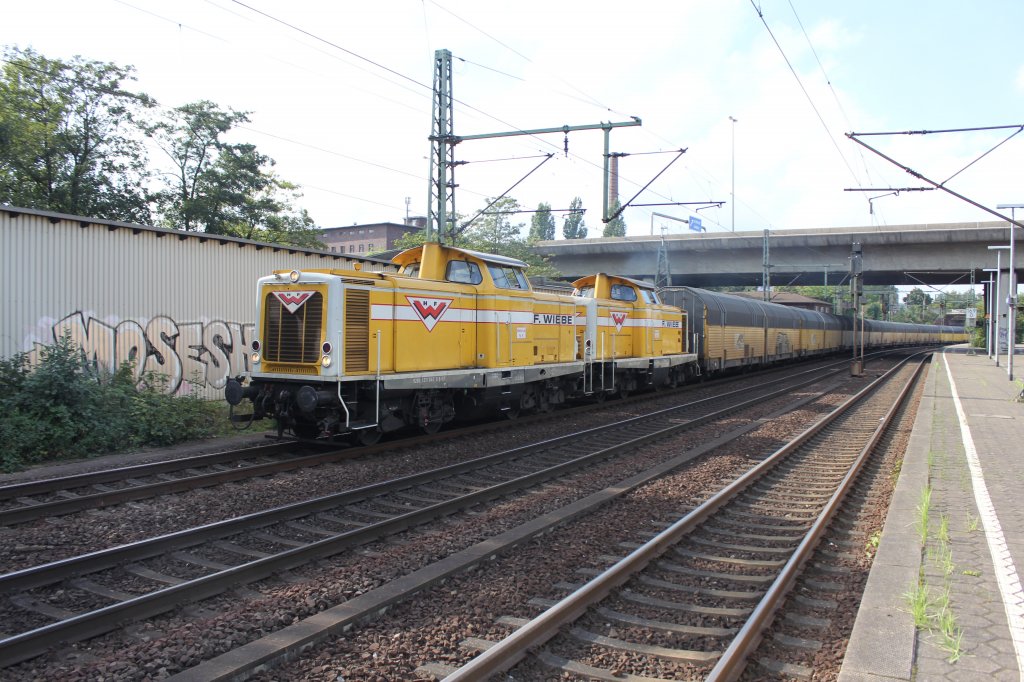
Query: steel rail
{"points": [[52, 485], [91, 562], [16, 515], [26, 645], [539, 630], [733, 662], [78, 503]]}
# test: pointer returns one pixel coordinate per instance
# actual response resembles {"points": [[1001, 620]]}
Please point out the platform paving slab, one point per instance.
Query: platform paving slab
{"points": [[956, 564]]}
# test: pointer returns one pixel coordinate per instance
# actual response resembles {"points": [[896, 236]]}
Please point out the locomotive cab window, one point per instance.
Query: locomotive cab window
{"points": [[621, 292], [650, 296], [464, 272], [411, 270], [507, 278], [585, 292]]}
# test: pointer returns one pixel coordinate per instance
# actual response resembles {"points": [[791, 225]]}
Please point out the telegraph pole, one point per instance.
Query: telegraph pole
{"points": [[766, 282], [856, 290]]}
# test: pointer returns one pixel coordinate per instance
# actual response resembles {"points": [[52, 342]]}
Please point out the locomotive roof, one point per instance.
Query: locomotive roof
{"points": [[493, 258], [635, 282], [408, 256]]}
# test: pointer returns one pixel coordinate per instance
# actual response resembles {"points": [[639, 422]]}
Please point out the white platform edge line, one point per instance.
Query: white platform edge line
{"points": [[1002, 563]]}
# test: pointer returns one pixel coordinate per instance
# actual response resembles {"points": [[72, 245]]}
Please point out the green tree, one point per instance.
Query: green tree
{"points": [[917, 297], [411, 239], [225, 188], [69, 137], [190, 135], [253, 203], [494, 229], [615, 227], [573, 226], [542, 224]]}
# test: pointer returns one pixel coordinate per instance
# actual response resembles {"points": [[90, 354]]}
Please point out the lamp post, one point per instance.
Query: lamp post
{"points": [[990, 345], [733, 173], [999, 285], [1011, 296]]}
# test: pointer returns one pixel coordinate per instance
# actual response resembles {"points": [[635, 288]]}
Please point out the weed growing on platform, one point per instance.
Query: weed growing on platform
{"points": [[952, 635], [917, 601], [972, 522], [923, 507], [64, 407], [935, 615], [946, 563]]}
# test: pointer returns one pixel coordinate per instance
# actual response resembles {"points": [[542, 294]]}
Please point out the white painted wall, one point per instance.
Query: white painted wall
{"points": [[182, 304]]}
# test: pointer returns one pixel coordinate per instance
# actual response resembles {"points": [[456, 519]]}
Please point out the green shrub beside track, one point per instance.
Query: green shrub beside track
{"points": [[65, 408]]}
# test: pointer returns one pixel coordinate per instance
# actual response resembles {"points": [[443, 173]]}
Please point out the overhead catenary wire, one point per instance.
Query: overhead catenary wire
{"points": [[835, 95], [278, 44], [807, 95], [420, 86], [856, 138]]}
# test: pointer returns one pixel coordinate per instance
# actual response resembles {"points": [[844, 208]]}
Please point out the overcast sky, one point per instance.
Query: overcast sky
{"points": [[340, 97]]}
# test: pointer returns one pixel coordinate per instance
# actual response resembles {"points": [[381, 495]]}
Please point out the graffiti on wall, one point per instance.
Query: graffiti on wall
{"points": [[192, 355]]}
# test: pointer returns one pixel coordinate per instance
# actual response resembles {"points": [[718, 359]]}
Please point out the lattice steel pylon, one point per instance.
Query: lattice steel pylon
{"points": [[663, 276], [441, 202]]}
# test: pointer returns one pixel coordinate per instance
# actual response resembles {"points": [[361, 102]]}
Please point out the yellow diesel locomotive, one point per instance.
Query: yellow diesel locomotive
{"points": [[454, 332]]}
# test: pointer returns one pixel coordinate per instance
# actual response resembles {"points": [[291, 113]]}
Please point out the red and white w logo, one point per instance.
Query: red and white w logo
{"points": [[429, 310], [293, 300], [618, 319]]}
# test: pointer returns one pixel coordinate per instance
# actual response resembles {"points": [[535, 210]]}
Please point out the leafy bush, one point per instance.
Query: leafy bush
{"points": [[64, 408], [978, 337]]}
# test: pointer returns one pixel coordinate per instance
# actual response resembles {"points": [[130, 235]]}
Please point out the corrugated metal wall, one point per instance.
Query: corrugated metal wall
{"points": [[178, 303]]}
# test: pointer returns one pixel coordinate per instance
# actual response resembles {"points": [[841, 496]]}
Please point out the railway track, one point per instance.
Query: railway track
{"points": [[142, 579], [695, 600], [33, 500]]}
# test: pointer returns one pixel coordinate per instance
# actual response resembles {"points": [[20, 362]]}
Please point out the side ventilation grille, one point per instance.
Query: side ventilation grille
{"points": [[357, 331]]}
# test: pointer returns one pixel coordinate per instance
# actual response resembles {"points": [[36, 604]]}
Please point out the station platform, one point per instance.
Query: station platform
{"points": [[963, 476]]}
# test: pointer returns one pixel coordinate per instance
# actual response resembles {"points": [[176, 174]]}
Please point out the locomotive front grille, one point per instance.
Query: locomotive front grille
{"points": [[292, 337]]}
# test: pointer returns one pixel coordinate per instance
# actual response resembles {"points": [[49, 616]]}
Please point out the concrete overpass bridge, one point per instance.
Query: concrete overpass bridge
{"points": [[940, 253]]}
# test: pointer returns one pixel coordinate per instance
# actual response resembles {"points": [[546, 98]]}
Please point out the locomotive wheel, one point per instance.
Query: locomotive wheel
{"points": [[367, 436], [512, 413], [431, 427]]}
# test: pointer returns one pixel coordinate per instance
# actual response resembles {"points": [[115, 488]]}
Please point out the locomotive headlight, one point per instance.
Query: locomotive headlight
{"points": [[256, 344], [294, 275], [255, 358], [326, 361]]}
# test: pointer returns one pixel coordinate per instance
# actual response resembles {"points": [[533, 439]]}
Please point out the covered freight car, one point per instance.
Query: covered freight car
{"points": [[733, 331]]}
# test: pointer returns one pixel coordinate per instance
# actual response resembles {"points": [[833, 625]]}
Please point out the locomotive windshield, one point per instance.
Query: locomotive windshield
{"points": [[621, 292], [506, 277], [464, 272], [584, 292], [650, 296]]}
